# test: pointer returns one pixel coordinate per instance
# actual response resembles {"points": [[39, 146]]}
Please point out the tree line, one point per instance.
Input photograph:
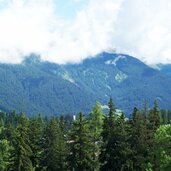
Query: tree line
{"points": [[96, 142]]}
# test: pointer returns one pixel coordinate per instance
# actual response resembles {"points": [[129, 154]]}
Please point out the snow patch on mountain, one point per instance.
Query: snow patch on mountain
{"points": [[114, 61], [108, 87], [67, 77], [120, 76]]}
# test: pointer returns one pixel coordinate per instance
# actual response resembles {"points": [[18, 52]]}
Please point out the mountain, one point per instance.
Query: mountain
{"points": [[165, 68], [51, 89]]}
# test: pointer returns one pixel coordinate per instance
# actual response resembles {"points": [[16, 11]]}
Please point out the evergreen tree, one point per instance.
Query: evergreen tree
{"points": [[154, 117], [111, 116], [96, 142], [163, 147], [22, 151], [145, 109], [35, 135], [122, 147], [55, 150], [115, 150], [107, 148], [138, 140], [164, 116], [95, 122], [5, 149], [80, 158], [153, 125]]}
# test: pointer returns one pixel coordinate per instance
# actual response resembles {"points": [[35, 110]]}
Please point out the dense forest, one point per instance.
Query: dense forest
{"points": [[106, 141]]}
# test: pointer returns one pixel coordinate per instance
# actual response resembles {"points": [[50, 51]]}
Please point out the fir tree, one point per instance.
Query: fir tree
{"points": [[22, 151], [5, 149], [80, 158], [115, 151], [95, 123], [35, 135], [154, 117], [138, 140], [154, 123], [122, 146], [55, 150], [106, 155]]}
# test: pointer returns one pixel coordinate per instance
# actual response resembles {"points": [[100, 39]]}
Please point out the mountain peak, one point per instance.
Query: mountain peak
{"points": [[32, 59]]}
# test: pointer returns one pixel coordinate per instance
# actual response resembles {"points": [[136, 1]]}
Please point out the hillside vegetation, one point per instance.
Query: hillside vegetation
{"points": [[97, 142]]}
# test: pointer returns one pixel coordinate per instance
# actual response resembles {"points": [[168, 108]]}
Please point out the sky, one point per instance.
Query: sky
{"points": [[63, 31]]}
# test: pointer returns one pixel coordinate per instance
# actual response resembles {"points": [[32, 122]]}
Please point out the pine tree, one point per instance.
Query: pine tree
{"points": [[5, 149], [138, 140], [106, 155], [115, 151], [22, 151], [35, 135], [122, 146], [112, 111], [55, 150], [154, 123], [95, 123], [80, 158], [154, 117]]}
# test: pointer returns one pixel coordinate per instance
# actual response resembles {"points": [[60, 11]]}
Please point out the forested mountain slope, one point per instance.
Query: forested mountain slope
{"points": [[43, 87]]}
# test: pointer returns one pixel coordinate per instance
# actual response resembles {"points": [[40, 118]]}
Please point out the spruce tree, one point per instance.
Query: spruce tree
{"points": [[22, 151], [5, 148], [115, 150], [154, 117], [35, 135], [80, 158], [55, 150], [154, 123], [106, 155], [95, 123], [138, 140], [122, 146]]}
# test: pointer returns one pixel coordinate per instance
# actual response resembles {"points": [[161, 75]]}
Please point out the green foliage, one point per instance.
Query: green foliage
{"points": [[138, 140], [114, 147], [166, 116], [35, 136], [106, 158], [154, 121], [95, 124], [95, 142], [81, 156], [154, 117], [163, 147], [22, 152], [5, 149], [115, 151], [55, 149]]}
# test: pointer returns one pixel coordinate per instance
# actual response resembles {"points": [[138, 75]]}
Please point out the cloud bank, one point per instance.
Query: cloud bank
{"points": [[137, 27]]}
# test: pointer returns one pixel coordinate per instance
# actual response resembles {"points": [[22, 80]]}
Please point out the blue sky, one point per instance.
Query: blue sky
{"points": [[64, 31], [68, 9]]}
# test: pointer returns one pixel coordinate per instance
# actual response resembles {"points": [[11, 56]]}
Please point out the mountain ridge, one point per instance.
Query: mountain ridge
{"points": [[37, 86]]}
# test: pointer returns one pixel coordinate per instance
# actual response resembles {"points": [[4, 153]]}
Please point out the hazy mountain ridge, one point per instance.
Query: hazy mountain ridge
{"points": [[165, 68], [48, 88]]}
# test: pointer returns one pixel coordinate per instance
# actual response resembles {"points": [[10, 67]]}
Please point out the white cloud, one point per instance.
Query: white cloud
{"points": [[138, 27], [144, 29]]}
